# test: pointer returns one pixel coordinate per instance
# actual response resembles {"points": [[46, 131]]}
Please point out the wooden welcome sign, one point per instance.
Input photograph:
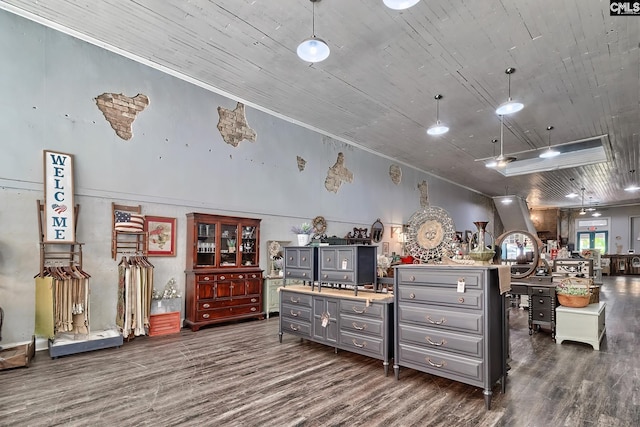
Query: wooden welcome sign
{"points": [[59, 213]]}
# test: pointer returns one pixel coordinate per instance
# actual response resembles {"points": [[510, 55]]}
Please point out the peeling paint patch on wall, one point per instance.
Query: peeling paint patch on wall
{"points": [[233, 125], [301, 163], [395, 172], [337, 174], [424, 194], [120, 111]]}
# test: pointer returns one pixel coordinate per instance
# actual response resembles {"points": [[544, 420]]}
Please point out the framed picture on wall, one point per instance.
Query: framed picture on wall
{"points": [[385, 248], [162, 235]]}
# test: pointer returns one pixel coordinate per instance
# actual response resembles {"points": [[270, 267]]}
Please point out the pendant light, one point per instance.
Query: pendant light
{"points": [[313, 49], [549, 153], [510, 106], [493, 162], [582, 210], [399, 4], [439, 128]]}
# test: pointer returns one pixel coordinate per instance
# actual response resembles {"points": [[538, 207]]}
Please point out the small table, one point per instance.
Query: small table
{"points": [[584, 324]]}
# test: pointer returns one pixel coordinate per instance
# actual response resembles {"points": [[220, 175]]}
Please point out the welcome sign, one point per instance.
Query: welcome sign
{"points": [[59, 213]]}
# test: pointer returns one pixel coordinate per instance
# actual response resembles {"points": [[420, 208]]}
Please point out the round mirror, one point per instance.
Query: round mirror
{"points": [[521, 250], [377, 230]]}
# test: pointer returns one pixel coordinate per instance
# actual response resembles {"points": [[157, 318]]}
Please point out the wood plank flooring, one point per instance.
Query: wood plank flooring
{"points": [[240, 375]]}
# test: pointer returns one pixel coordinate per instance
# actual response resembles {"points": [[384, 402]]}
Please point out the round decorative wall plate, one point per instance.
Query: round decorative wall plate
{"points": [[430, 234]]}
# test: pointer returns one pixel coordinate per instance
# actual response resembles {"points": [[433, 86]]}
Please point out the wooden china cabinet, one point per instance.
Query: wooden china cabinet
{"points": [[223, 277]]}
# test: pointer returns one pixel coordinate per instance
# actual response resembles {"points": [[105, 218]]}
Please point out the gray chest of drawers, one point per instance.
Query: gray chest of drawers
{"points": [[337, 318], [448, 333], [301, 262], [349, 265]]}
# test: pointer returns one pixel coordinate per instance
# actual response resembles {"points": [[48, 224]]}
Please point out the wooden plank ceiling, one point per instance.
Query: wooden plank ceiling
{"points": [[578, 69]]}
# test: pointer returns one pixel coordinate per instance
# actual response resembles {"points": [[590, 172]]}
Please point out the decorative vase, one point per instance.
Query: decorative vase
{"points": [[480, 254], [303, 239], [521, 258]]}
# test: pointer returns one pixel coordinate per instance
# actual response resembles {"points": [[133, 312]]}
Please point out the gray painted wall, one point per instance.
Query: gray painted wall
{"points": [[175, 163]]}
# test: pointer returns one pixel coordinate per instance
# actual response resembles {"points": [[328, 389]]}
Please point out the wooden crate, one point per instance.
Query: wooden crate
{"points": [[164, 324], [18, 356]]}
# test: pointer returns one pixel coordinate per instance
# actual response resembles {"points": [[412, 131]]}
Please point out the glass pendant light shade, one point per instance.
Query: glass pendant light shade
{"points": [[510, 106], [438, 129], [313, 49], [399, 4]]}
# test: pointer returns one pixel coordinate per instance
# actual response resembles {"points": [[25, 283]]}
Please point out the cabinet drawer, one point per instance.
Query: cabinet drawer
{"points": [[445, 296], [238, 276], [299, 273], [547, 280], [361, 325], [293, 298], [360, 308], [519, 289], [290, 311], [437, 317], [541, 315], [472, 280], [540, 303], [205, 315], [540, 290], [366, 345], [296, 327], [469, 370], [205, 278], [470, 345], [220, 303], [337, 277]]}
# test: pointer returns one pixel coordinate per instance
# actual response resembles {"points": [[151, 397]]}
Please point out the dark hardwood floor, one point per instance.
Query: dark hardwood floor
{"points": [[240, 375]]}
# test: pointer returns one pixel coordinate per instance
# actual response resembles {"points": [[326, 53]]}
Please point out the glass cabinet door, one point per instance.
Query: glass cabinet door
{"points": [[228, 245], [206, 246], [248, 245]]}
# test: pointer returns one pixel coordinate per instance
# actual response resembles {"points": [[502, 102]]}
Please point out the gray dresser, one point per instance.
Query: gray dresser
{"points": [[348, 265], [451, 330], [360, 324], [301, 262]]}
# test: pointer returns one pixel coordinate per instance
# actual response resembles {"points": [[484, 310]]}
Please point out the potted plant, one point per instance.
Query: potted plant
{"points": [[303, 232]]}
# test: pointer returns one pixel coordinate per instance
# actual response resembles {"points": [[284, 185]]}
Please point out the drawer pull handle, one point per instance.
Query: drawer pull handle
{"points": [[412, 278], [205, 316], [294, 314], [288, 273], [540, 291], [293, 328], [206, 278], [295, 301], [541, 314], [461, 300], [436, 365], [345, 277], [364, 344], [304, 274], [325, 276], [541, 301], [254, 300], [436, 322], [290, 258], [360, 328], [355, 309], [222, 277], [206, 305], [240, 276], [253, 309], [328, 259], [412, 295], [304, 258], [437, 344]]}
